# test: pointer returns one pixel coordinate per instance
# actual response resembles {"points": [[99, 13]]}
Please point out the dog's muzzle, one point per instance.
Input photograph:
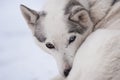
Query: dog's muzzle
{"points": [[66, 72]]}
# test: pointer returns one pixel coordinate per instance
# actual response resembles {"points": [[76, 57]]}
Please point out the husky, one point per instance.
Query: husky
{"points": [[63, 25]]}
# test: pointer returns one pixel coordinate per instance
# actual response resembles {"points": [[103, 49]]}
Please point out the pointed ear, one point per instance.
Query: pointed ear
{"points": [[30, 16], [81, 17]]}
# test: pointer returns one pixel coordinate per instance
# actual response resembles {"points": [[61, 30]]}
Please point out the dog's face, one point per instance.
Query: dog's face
{"points": [[60, 30]]}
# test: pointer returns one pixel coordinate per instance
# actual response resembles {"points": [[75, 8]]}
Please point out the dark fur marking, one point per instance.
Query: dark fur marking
{"points": [[76, 28], [69, 6], [39, 33], [72, 25], [40, 37], [115, 1], [78, 10]]}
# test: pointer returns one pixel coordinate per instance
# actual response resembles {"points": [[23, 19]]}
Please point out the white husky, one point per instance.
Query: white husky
{"points": [[64, 25]]}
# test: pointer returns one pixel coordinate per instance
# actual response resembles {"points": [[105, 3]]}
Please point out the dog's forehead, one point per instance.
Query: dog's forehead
{"points": [[54, 22], [56, 19], [54, 5], [55, 29]]}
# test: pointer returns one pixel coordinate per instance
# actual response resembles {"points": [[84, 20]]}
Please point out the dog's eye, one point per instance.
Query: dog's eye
{"points": [[50, 46], [72, 39]]}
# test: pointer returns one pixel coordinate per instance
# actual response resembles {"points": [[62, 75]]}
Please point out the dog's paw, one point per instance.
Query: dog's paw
{"points": [[58, 78]]}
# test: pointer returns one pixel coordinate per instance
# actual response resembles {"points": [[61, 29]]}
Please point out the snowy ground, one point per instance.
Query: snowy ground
{"points": [[20, 57]]}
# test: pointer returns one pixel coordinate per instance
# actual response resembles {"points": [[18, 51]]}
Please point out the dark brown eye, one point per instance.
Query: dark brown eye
{"points": [[72, 39], [50, 46]]}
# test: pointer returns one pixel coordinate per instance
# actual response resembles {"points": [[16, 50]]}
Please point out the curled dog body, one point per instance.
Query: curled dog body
{"points": [[63, 25]]}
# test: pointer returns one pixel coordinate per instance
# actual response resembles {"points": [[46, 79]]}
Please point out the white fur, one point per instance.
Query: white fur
{"points": [[98, 58], [112, 19], [55, 28]]}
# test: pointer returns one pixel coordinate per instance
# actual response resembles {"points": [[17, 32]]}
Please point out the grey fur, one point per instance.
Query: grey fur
{"points": [[76, 28], [43, 14], [39, 36], [33, 12], [72, 25], [39, 33], [69, 6], [115, 1]]}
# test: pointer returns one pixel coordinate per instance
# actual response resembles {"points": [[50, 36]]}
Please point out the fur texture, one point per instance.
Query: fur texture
{"points": [[98, 57], [63, 26]]}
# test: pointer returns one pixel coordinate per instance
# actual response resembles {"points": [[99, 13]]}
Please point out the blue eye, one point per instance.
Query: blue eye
{"points": [[72, 39], [50, 46]]}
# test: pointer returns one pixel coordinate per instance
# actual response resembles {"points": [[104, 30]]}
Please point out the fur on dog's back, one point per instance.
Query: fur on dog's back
{"points": [[98, 58], [112, 18]]}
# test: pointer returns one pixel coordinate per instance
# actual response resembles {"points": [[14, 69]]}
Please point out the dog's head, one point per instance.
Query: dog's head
{"points": [[60, 30]]}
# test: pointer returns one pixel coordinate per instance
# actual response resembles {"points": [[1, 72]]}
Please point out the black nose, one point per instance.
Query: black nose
{"points": [[66, 72]]}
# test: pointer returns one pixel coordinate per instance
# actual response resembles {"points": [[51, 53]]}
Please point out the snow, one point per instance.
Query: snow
{"points": [[20, 57]]}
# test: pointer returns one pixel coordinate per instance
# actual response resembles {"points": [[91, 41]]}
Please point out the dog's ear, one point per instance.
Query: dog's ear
{"points": [[30, 16], [81, 16]]}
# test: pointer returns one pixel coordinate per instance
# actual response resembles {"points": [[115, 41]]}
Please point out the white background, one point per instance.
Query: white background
{"points": [[20, 57]]}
